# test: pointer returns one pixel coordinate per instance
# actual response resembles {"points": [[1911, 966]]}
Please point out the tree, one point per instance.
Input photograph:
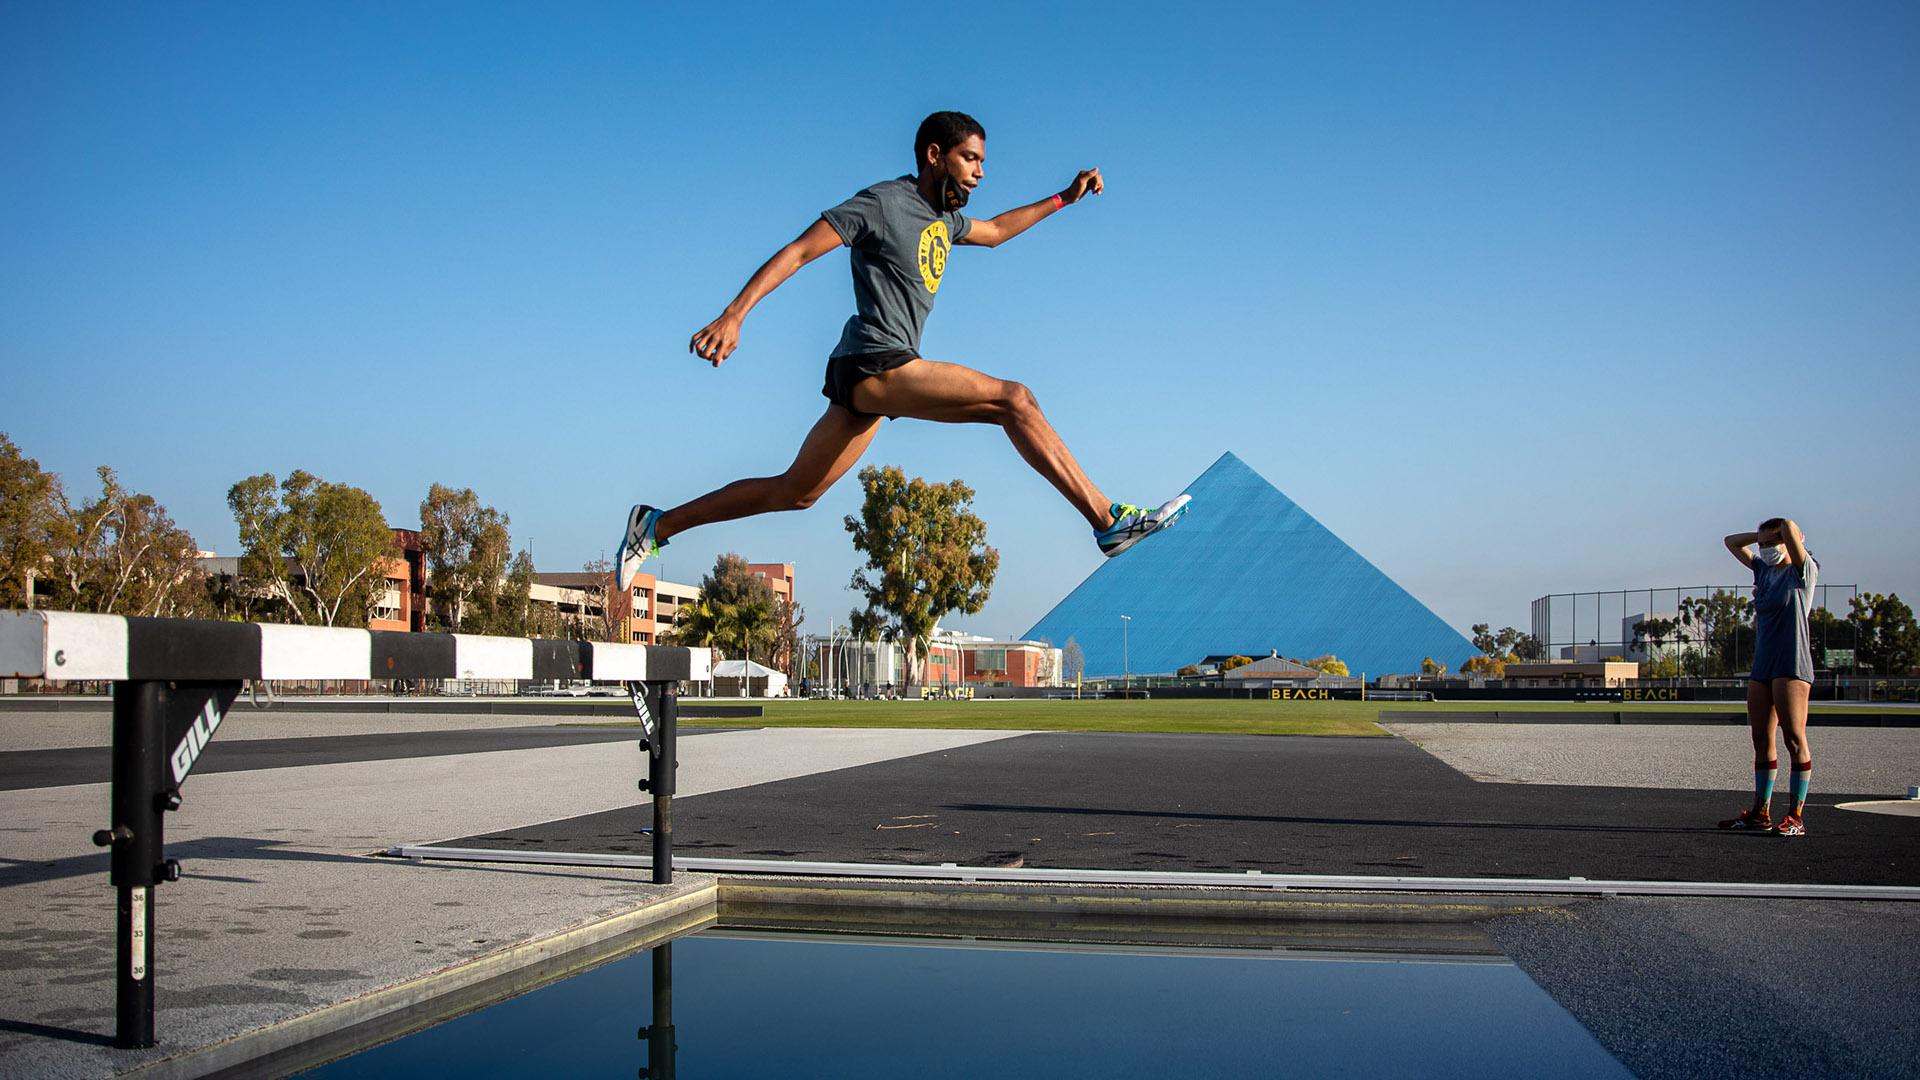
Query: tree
{"points": [[1660, 666], [122, 554], [1831, 633], [730, 582], [1073, 662], [1651, 635], [608, 621], [1429, 667], [1189, 671], [1529, 647], [1487, 667], [513, 612], [1889, 640], [747, 625], [1232, 662], [467, 547], [320, 548], [926, 552], [784, 652], [1722, 623], [865, 625], [696, 626], [1497, 650], [1043, 668], [1493, 644], [1328, 664], [28, 498], [711, 621]]}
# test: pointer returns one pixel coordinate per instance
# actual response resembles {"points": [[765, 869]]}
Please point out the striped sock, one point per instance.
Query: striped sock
{"points": [[1797, 786], [1764, 774]]}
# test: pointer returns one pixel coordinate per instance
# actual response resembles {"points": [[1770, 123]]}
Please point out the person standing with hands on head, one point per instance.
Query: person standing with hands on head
{"points": [[900, 232], [1784, 576]]}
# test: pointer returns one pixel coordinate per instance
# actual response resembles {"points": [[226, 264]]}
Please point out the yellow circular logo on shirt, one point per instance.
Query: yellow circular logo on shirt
{"points": [[933, 254]]}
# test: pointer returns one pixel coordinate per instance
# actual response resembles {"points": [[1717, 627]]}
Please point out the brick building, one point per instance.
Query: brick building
{"points": [[1009, 663]]}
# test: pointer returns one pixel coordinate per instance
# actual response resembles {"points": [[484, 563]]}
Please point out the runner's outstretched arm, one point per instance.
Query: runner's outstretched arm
{"points": [[997, 230], [717, 340]]}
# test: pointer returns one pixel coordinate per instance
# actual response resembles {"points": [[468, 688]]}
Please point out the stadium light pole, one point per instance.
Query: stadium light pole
{"points": [[1126, 660]]}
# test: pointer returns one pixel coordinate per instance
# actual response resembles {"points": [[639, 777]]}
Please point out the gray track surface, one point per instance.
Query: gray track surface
{"points": [[1681, 988], [1879, 760]]}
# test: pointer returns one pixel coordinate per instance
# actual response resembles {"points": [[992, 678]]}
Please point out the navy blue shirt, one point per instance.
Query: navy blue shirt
{"points": [[1782, 598]]}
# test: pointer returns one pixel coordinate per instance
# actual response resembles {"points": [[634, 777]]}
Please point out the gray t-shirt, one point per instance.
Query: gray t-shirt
{"points": [[900, 247], [1782, 599]]}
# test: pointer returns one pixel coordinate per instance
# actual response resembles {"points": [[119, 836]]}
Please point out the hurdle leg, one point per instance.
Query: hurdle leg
{"points": [[149, 716], [139, 772], [661, 767]]}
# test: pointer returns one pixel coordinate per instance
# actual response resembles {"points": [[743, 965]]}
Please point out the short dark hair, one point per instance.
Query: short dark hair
{"points": [[1772, 523], [945, 130]]}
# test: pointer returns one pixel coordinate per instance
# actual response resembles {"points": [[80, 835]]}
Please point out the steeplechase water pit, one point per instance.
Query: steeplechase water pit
{"points": [[731, 1003]]}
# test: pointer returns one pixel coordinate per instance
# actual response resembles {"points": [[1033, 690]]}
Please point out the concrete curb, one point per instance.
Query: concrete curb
{"points": [[1193, 902], [356, 1024], [1433, 925]]}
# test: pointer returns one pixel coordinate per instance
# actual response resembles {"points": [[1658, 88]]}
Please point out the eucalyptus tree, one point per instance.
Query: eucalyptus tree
{"points": [[468, 551], [121, 553], [322, 549], [27, 501], [926, 551]]}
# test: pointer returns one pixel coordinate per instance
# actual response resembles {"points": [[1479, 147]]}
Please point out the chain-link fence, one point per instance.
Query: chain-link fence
{"points": [[1699, 630]]}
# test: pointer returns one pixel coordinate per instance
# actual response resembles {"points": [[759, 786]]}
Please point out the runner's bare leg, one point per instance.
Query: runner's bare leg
{"points": [[829, 450], [952, 394]]}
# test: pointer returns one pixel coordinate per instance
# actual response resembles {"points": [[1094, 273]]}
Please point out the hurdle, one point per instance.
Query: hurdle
{"points": [[175, 679]]}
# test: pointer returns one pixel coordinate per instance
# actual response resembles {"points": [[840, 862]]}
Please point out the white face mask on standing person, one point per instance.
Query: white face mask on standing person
{"points": [[1773, 556]]}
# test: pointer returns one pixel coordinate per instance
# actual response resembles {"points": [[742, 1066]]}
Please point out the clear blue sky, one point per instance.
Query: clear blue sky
{"points": [[1514, 300]]}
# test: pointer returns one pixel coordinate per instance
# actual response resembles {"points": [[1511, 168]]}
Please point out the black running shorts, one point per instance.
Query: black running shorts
{"points": [[845, 372]]}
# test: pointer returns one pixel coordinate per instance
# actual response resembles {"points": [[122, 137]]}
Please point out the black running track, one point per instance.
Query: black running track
{"points": [[94, 764], [1246, 802]]}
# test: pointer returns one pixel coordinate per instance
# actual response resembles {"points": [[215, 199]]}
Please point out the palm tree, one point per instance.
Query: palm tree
{"points": [[745, 624], [697, 625]]}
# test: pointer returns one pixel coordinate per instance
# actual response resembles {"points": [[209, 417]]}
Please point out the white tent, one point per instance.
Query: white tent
{"points": [[758, 677]]}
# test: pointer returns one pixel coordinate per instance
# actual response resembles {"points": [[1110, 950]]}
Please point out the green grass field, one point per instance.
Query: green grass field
{"points": [[1258, 717]]}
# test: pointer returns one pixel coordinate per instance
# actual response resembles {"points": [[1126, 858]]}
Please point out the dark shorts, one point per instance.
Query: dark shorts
{"points": [[845, 372]]}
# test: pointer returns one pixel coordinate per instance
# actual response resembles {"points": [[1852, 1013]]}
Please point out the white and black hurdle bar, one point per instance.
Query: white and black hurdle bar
{"points": [[174, 680]]}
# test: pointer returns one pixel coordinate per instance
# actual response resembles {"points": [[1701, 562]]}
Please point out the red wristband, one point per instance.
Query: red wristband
{"points": [[1058, 202]]}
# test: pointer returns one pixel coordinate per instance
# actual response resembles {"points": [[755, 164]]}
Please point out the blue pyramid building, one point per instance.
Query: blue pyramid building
{"points": [[1247, 571]]}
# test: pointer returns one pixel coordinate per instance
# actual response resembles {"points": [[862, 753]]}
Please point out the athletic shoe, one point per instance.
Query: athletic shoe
{"points": [[1132, 524], [1749, 820], [1791, 825], [637, 545]]}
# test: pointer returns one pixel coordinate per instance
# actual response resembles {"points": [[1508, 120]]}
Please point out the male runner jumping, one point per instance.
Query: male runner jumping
{"points": [[900, 232]]}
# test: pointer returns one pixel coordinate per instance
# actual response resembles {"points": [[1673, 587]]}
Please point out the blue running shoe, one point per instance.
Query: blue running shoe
{"points": [[1132, 524], [637, 545]]}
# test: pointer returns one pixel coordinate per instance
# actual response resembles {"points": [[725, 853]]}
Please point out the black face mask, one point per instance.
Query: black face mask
{"points": [[953, 193]]}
